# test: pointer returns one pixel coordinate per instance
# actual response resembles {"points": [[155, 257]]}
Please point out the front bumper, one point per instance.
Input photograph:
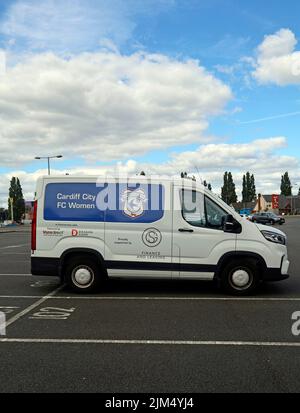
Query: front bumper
{"points": [[278, 274], [274, 274]]}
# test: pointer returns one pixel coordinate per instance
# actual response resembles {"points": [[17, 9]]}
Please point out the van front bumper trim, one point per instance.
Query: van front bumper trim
{"points": [[274, 274]]}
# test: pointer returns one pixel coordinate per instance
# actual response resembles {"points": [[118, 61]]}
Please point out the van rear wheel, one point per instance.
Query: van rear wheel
{"points": [[240, 277], [83, 274]]}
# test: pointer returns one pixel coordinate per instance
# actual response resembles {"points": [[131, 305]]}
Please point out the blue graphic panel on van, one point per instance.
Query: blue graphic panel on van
{"points": [[88, 202]]}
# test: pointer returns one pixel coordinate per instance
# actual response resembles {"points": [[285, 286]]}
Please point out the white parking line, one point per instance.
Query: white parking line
{"points": [[14, 246], [16, 275], [153, 342], [32, 307], [14, 253], [85, 298]]}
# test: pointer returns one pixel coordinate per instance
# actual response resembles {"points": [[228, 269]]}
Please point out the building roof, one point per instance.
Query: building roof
{"points": [[283, 202], [268, 198]]}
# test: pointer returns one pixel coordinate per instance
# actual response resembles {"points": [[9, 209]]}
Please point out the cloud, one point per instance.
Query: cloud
{"points": [[211, 160], [256, 155], [239, 73], [278, 62], [104, 106], [68, 26]]}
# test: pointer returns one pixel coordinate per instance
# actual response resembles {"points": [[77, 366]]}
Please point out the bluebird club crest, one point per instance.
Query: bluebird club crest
{"points": [[134, 202]]}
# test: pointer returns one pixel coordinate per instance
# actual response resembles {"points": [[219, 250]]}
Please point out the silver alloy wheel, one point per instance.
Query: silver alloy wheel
{"points": [[83, 276], [241, 279]]}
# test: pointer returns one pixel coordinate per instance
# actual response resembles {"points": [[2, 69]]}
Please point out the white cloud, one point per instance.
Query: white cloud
{"points": [[257, 156], [279, 44], [104, 106], [212, 160], [278, 61], [68, 26]]}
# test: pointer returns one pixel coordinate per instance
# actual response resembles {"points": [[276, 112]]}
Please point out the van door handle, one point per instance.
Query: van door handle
{"points": [[186, 230]]}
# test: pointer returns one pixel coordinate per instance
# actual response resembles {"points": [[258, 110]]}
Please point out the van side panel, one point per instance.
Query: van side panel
{"points": [[134, 236], [67, 217]]}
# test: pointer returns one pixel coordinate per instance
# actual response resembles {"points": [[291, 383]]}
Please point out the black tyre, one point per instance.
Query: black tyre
{"points": [[240, 277], [83, 274]]}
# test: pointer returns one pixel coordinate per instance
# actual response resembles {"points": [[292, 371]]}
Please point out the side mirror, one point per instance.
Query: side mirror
{"points": [[231, 225]]}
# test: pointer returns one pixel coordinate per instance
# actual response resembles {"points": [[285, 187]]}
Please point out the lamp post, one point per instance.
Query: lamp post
{"points": [[48, 160]]}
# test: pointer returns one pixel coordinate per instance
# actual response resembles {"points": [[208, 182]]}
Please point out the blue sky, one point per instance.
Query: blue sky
{"points": [[231, 40]]}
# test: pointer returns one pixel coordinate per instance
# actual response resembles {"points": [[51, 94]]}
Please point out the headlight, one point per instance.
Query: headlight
{"points": [[274, 237]]}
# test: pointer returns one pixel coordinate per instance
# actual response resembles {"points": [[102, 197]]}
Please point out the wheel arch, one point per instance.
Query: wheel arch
{"points": [[74, 252], [230, 256]]}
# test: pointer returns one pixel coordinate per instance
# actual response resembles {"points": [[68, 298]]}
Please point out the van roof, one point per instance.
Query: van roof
{"points": [[177, 181], [120, 177]]}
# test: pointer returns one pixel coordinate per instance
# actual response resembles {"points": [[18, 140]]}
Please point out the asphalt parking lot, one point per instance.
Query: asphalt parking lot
{"points": [[145, 336]]}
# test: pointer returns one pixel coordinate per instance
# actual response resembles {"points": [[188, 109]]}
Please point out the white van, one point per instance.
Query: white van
{"points": [[86, 230]]}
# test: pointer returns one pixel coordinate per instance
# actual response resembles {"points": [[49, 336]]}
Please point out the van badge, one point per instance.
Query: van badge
{"points": [[134, 202]]}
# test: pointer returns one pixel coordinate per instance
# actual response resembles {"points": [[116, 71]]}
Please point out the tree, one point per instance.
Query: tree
{"points": [[252, 188], [228, 190], [286, 186], [249, 188], [17, 200], [224, 190]]}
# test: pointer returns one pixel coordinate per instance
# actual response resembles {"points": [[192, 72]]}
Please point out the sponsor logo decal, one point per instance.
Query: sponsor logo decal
{"points": [[152, 237], [149, 255], [52, 233], [81, 233]]}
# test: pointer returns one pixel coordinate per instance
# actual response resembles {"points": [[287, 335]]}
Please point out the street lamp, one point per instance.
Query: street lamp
{"points": [[48, 159]]}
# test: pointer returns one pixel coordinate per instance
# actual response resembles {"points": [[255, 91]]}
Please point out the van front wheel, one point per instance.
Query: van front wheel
{"points": [[240, 277], [83, 274]]}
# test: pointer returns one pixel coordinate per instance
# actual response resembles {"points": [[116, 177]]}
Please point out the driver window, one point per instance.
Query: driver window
{"points": [[193, 209], [214, 214]]}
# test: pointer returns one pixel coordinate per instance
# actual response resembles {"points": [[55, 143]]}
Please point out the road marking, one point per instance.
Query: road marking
{"points": [[14, 246], [53, 313], [14, 253], [16, 275], [25, 297], [153, 342], [44, 283], [32, 307], [8, 310], [61, 297]]}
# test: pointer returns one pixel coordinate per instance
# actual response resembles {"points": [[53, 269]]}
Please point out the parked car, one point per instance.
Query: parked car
{"points": [[267, 218]]}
